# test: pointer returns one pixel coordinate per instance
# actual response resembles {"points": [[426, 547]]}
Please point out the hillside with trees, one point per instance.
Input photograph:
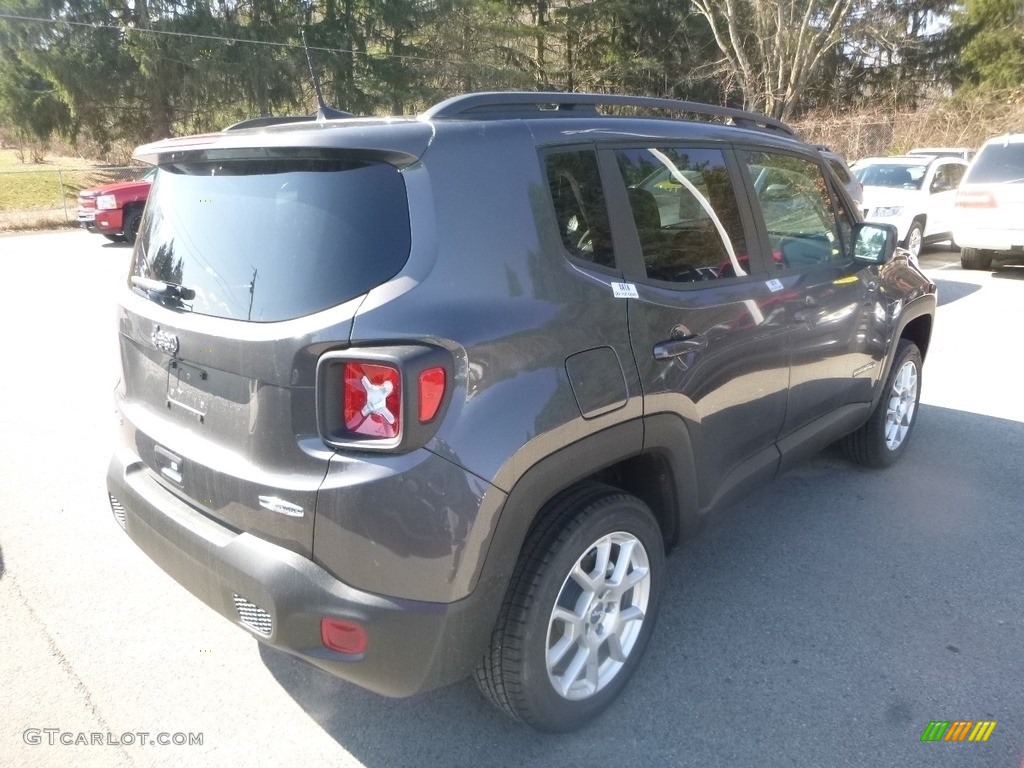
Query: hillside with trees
{"points": [[109, 74]]}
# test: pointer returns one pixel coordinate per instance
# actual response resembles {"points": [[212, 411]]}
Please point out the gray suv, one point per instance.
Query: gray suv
{"points": [[420, 398]]}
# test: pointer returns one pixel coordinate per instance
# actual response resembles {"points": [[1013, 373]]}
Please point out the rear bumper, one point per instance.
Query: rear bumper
{"points": [[1003, 240], [412, 646]]}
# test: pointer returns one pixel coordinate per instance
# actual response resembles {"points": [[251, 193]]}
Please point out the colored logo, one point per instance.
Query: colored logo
{"points": [[958, 730]]}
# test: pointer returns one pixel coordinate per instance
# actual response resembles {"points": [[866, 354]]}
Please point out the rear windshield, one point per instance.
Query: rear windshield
{"points": [[998, 164], [273, 239]]}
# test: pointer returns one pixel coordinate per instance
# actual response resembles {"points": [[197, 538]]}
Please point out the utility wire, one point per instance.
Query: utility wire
{"points": [[200, 36]]}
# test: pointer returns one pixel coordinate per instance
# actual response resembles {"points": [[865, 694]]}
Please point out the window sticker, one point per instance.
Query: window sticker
{"points": [[774, 285], [624, 291]]}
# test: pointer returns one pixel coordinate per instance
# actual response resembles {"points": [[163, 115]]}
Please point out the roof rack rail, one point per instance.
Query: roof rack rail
{"points": [[497, 105]]}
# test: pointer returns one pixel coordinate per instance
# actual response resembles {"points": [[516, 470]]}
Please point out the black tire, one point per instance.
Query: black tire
{"points": [[914, 240], [132, 218], [514, 674], [975, 258], [114, 238], [884, 437]]}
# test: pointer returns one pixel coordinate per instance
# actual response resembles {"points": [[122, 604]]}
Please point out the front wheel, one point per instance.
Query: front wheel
{"points": [[131, 225], [914, 240], [579, 610], [884, 437]]}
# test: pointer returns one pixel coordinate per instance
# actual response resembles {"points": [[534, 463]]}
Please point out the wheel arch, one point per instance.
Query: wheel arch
{"points": [[919, 331], [649, 458], [915, 324]]}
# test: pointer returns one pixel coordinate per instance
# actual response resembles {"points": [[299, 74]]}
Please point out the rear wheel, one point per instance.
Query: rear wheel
{"points": [[882, 440], [579, 610], [975, 258]]}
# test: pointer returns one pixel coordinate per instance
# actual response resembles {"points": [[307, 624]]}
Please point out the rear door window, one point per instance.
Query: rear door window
{"points": [[684, 208], [272, 239]]}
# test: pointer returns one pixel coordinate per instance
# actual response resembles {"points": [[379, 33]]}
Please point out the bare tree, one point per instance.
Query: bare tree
{"points": [[771, 47]]}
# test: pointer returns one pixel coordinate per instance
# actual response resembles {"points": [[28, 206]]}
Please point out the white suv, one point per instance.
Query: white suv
{"points": [[988, 220], [915, 193]]}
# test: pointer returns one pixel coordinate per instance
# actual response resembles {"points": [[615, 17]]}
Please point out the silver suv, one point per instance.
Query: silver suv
{"points": [[425, 397]]}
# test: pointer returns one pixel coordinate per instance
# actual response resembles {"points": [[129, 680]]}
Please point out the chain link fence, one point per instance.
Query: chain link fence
{"points": [[47, 198]]}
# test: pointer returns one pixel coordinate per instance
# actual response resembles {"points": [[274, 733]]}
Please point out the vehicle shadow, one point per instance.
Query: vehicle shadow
{"points": [[835, 590], [1009, 272], [951, 290], [1, 562]]}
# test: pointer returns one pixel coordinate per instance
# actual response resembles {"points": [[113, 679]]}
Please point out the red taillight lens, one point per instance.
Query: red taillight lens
{"points": [[431, 393], [343, 636], [372, 400], [976, 199]]}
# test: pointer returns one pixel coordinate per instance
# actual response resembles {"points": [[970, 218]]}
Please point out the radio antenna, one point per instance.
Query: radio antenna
{"points": [[323, 111]]}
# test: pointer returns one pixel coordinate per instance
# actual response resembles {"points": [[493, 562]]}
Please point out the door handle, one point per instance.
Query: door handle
{"points": [[676, 347]]}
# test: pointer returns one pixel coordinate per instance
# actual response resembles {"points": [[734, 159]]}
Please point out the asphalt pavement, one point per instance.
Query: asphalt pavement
{"points": [[825, 621]]}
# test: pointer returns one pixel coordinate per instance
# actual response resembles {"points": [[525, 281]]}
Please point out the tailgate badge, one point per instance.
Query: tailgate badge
{"points": [[164, 341], [280, 506]]}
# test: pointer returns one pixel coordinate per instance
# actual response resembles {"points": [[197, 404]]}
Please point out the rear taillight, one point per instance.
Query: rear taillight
{"points": [[975, 199], [372, 400], [431, 393], [382, 398]]}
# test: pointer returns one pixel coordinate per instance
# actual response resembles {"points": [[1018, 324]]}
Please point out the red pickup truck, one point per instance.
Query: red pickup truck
{"points": [[114, 210]]}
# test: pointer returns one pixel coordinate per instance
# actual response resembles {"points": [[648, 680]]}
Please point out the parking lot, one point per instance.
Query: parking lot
{"points": [[823, 622]]}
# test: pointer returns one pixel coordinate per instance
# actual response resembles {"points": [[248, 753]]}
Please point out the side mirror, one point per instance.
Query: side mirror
{"points": [[874, 243]]}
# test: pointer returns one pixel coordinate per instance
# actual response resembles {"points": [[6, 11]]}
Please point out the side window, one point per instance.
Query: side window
{"points": [[947, 177], [806, 224], [942, 181], [580, 208], [685, 211]]}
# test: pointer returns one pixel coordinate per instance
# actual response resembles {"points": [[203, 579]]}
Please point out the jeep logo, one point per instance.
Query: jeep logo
{"points": [[164, 341]]}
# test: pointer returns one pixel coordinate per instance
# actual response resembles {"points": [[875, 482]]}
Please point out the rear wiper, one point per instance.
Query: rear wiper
{"points": [[163, 289]]}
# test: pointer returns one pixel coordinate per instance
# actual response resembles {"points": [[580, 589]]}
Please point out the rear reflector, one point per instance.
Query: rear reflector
{"points": [[372, 400], [431, 393], [977, 199], [343, 636]]}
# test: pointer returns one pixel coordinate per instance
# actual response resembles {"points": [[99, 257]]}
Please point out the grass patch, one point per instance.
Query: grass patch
{"points": [[10, 161], [41, 187]]}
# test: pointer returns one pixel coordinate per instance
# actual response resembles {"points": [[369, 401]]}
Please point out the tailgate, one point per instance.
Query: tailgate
{"points": [[227, 424], [247, 268]]}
